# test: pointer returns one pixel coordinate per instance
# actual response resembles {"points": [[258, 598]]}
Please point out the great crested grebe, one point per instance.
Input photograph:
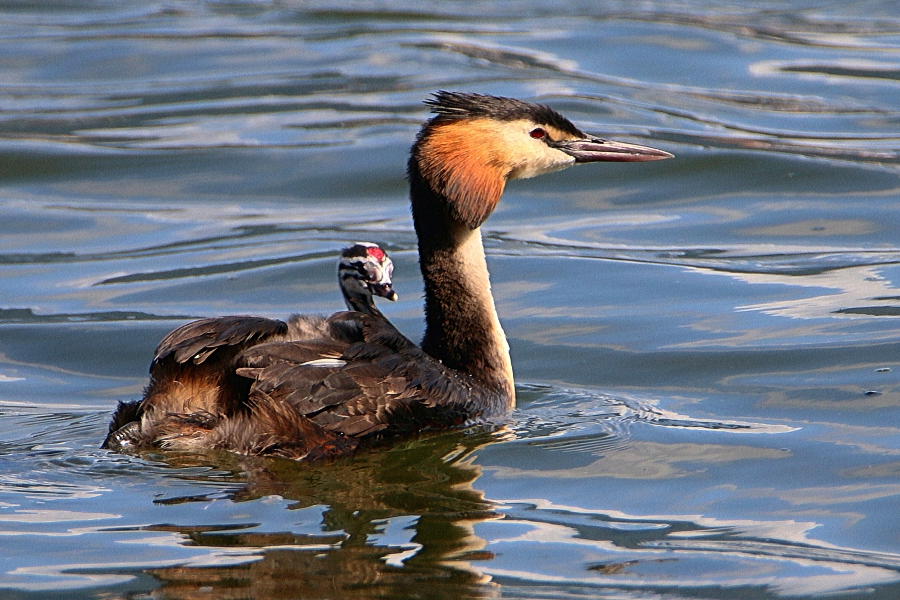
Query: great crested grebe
{"points": [[317, 387]]}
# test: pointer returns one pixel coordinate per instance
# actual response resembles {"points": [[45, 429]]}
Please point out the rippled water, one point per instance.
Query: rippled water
{"points": [[707, 348]]}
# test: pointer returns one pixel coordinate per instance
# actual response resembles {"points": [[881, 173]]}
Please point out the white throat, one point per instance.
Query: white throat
{"points": [[478, 287]]}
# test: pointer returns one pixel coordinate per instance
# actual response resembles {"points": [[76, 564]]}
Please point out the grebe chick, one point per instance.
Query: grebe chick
{"points": [[364, 271], [254, 386]]}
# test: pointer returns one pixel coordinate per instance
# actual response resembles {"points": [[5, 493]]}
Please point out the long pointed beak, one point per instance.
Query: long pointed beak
{"points": [[593, 149]]}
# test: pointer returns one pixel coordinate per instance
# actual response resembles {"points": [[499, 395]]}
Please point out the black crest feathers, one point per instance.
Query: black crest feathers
{"points": [[465, 105]]}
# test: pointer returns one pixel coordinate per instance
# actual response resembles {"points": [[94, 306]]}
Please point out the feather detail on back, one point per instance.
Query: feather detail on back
{"points": [[387, 385], [379, 383], [196, 341]]}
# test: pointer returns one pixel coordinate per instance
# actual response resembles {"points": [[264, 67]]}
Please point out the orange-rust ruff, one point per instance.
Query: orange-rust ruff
{"points": [[316, 387]]}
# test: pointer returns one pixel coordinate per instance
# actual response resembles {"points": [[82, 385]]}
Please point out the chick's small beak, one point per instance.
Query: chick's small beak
{"points": [[591, 149], [385, 290]]}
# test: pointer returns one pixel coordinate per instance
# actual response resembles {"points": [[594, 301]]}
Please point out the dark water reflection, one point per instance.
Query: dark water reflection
{"points": [[706, 348], [393, 523]]}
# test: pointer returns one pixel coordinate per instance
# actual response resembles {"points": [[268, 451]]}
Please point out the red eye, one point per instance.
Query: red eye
{"points": [[538, 133]]}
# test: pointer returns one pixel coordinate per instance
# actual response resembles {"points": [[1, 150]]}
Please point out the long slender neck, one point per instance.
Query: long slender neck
{"points": [[461, 325]]}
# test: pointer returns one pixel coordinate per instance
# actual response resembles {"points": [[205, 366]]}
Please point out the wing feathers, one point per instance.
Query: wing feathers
{"points": [[388, 384], [312, 387], [196, 341]]}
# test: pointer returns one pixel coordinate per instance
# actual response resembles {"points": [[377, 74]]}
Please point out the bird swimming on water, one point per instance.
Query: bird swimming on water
{"points": [[318, 387], [364, 271]]}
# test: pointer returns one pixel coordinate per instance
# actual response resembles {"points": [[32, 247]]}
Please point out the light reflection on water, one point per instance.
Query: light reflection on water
{"points": [[705, 347], [711, 553]]}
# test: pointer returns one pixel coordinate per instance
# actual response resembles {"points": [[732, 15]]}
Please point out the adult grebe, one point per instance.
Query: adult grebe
{"points": [[259, 386]]}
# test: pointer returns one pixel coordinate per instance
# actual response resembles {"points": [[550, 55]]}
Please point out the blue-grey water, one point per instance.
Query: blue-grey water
{"points": [[707, 349]]}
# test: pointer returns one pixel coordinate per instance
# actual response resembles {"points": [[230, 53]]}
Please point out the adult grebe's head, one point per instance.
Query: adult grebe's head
{"points": [[475, 143]]}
